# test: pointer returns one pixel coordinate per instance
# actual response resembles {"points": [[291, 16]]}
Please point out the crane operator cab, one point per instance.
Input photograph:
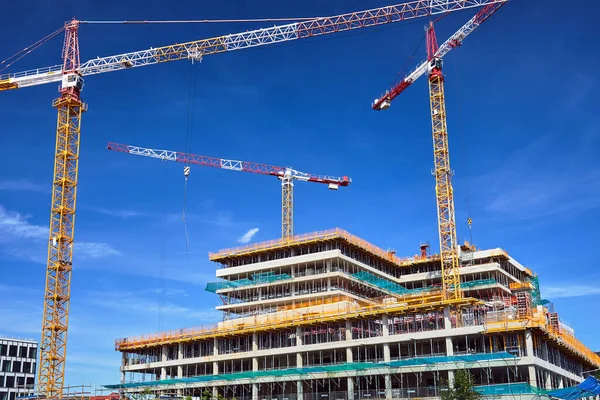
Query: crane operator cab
{"points": [[72, 80], [435, 63]]}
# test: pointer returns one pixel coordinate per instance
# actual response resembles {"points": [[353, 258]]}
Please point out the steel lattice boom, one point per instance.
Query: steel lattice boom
{"points": [[453, 41], [285, 174], [442, 171], [195, 50]]}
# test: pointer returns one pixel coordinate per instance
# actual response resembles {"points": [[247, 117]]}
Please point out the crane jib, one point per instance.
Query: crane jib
{"points": [[195, 50]]}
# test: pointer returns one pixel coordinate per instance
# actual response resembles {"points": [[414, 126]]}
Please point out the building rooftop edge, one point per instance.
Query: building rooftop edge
{"points": [[332, 234]]}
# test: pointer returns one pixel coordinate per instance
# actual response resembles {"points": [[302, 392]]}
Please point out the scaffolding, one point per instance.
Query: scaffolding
{"points": [[343, 369]]}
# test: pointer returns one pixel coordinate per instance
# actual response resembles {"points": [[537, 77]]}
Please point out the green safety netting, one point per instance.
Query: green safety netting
{"points": [[395, 288], [536, 298], [258, 278], [507, 389], [381, 283], [324, 368], [480, 282]]}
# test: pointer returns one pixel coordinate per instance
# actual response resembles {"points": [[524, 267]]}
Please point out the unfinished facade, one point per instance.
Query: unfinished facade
{"points": [[329, 316]]}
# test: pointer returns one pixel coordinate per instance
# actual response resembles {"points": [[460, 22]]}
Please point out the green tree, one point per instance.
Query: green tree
{"points": [[463, 388]]}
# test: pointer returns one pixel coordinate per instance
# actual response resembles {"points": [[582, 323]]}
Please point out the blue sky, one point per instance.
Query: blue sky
{"points": [[523, 125]]}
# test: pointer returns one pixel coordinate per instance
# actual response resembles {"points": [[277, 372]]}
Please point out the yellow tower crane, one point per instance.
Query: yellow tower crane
{"points": [[444, 194]]}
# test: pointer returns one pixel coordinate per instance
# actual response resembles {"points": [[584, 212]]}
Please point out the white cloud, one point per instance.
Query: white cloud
{"points": [[94, 250], [18, 234], [117, 213], [528, 186], [247, 237], [23, 185], [139, 303], [15, 224], [570, 291]]}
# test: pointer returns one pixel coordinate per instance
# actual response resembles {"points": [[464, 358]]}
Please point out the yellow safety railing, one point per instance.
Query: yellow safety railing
{"points": [[566, 339], [290, 319], [521, 285], [306, 238]]}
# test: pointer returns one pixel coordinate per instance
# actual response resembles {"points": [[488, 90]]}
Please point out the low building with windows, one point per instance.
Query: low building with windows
{"points": [[17, 367], [329, 316]]}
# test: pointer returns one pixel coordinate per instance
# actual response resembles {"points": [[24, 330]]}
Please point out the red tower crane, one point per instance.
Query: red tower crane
{"points": [[449, 257], [285, 174]]}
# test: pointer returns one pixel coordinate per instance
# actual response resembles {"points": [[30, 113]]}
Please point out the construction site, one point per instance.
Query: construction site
{"points": [[324, 315]]}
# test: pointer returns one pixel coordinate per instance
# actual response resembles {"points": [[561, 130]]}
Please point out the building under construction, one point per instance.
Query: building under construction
{"points": [[330, 316]]}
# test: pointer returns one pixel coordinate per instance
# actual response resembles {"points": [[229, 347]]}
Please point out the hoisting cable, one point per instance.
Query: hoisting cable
{"points": [[163, 251], [200, 21], [188, 144], [464, 150], [27, 50]]}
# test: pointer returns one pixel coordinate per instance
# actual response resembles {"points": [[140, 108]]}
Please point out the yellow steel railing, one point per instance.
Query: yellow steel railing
{"points": [[290, 319]]}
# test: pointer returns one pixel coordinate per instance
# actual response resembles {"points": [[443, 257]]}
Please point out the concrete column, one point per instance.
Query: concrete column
{"points": [[215, 364], [532, 376], [298, 344], [548, 380], [385, 321], [561, 382], [528, 343], [447, 318], [388, 386], [300, 390], [328, 283], [180, 357], [348, 330], [123, 365], [215, 392], [350, 389], [163, 370], [254, 391], [449, 342], [255, 359], [349, 355]]}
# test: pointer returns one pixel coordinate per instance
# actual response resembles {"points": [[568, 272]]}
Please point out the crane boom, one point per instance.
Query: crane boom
{"points": [[453, 41], [285, 174], [234, 165], [195, 50]]}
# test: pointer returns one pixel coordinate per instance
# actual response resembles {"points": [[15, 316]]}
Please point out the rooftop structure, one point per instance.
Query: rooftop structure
{"points": [[328, 315]]}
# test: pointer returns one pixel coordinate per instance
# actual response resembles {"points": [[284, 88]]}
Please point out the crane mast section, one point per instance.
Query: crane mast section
{"points": [[195, 50], [234, 165], [453, 41]]}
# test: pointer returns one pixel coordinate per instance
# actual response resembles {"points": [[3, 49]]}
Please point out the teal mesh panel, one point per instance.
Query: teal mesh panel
{"points": [[480, 282], [325, 368], [506, 389], [381, 283], [536, 298], [214, 286], [269, 276]]}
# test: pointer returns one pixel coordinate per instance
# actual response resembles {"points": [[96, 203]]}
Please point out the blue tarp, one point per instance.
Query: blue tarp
{"points": [[589, 387]]}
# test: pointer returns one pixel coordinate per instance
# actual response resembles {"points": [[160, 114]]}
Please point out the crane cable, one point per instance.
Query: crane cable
{"points": [[188, 144], [163, 250], [464, 149], [27, 50]]}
